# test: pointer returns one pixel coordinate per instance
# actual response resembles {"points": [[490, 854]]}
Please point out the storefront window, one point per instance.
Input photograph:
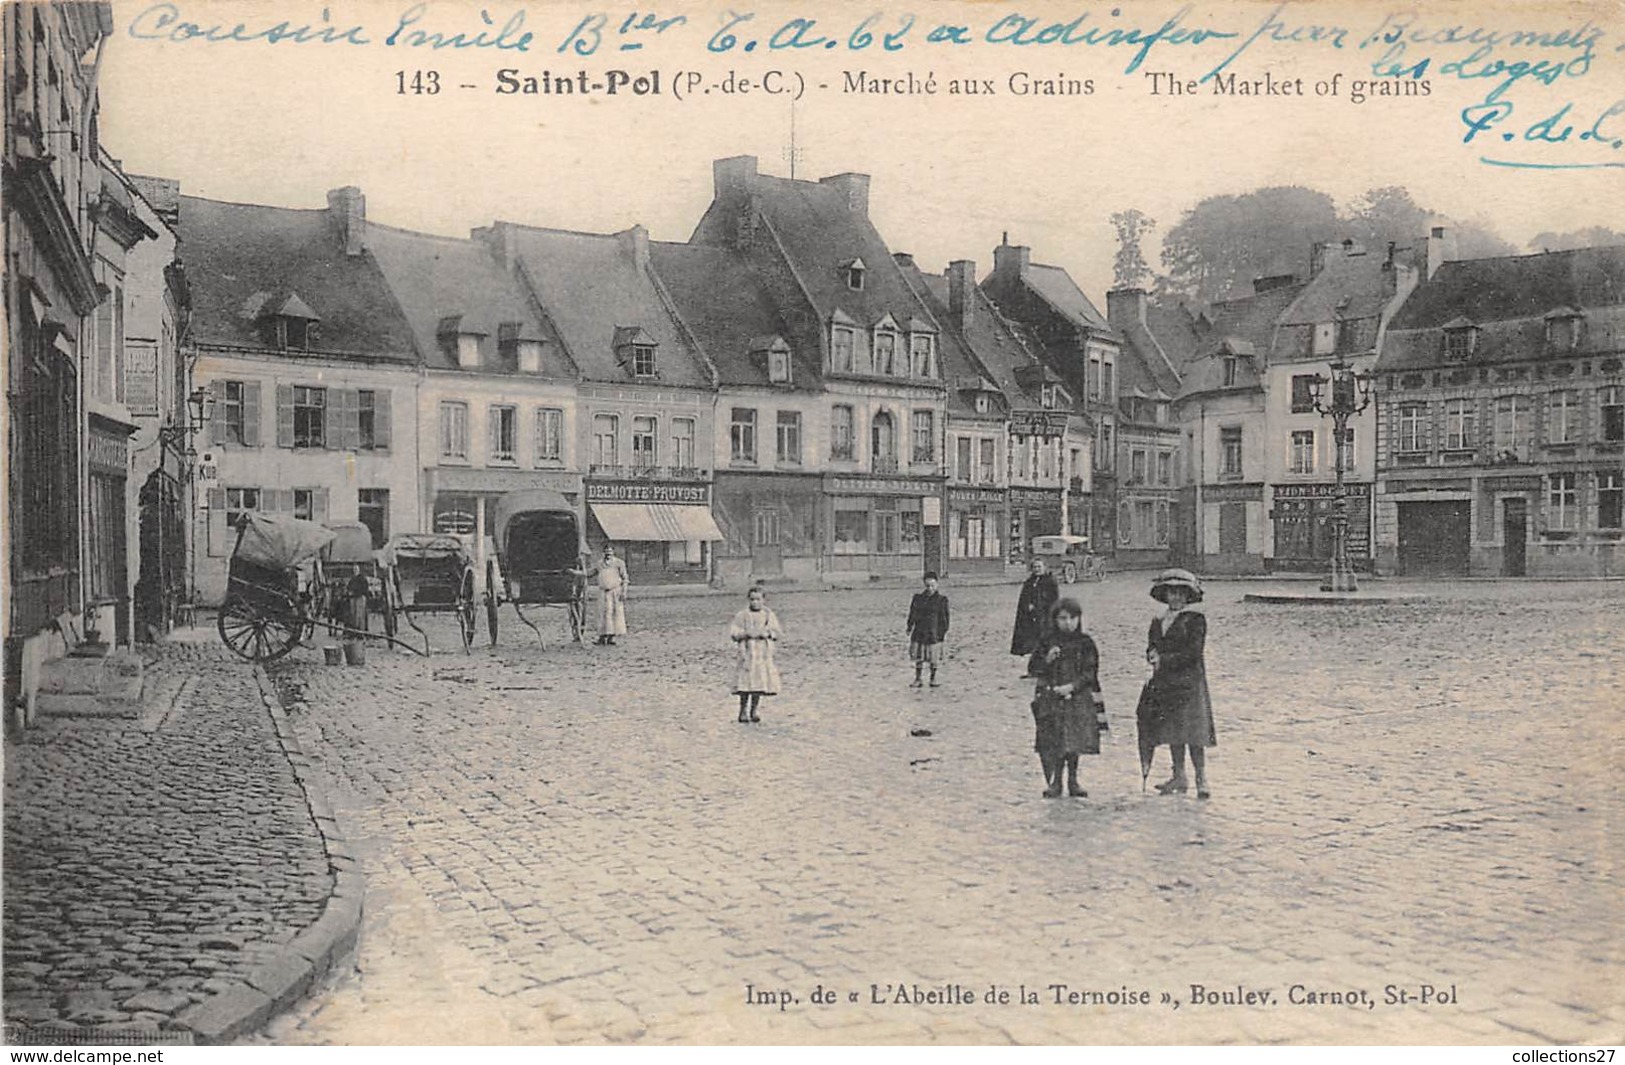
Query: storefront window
{"points": [[886, 532], [910, 540], [852, 530]]}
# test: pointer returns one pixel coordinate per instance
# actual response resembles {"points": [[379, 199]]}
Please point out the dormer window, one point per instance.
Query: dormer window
{"points": [[1563, 329], [1047, 397], [518, 349], [774, 352], [1231, 368], [885, 352], [1460, 338], [982, 403], [922, 349], [289, 325], [1325, 338], [853, 273], [635, 349], [460, 340]]}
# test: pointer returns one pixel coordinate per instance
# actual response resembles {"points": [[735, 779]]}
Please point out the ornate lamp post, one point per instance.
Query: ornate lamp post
{"points": [[1350, 394], [199, 404]]}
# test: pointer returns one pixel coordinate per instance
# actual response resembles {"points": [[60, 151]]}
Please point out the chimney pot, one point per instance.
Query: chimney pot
{"points": [[733, 175], [1011, 258], [962, 290], [854, 188], [349, 207], [635, 242], [1125, 306]]}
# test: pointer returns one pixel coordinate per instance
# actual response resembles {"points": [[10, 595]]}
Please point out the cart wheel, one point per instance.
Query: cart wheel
{"points": [[465, 611], [257, 636], [491, 601], [389, 616], [1069, 572]]}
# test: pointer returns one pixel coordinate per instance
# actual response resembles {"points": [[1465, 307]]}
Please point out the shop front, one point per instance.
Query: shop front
{"points": [[663, 530], [1302, 517], [881, 525], [770, 522], [1033, 512], [977, 522], [461, 501]]}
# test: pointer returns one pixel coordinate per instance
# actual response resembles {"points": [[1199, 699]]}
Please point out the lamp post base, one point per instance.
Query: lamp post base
{"points": [[1340, 579]]}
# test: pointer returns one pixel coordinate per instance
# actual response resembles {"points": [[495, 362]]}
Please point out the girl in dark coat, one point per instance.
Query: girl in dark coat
{"points": [[1038, 595], [1066, 699], [1175, 707]]}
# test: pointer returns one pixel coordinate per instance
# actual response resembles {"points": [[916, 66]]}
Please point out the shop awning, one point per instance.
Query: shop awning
{"points": [[656, 522]]}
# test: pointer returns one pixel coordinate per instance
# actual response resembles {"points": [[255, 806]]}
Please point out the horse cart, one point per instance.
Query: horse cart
{"points": [[277, 591], [429, 573], [537, 559], [351, 565]]}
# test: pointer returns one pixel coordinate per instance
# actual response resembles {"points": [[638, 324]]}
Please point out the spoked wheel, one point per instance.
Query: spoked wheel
{"points": [[491, 602], [256, 635], [389, 616], [1069, 572], [465, 611]]}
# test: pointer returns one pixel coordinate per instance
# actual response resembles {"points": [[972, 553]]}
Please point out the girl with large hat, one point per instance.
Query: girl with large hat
{"points": [[1175, 707]]}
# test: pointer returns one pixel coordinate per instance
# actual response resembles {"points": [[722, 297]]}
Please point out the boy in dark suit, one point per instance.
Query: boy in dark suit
{"points": [[927, 625]]}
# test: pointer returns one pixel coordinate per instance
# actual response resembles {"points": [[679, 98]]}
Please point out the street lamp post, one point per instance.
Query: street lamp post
{"points": [[1350, 394]]}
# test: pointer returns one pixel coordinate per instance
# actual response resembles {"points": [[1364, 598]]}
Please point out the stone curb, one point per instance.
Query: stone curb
{"points": [[300, 965]]}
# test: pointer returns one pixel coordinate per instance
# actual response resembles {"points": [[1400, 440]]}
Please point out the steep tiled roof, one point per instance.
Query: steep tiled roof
{"points": [[1519, 286], [1058, 289], [720, 298], [980, 348], [591, 284], [1508, 299], [436, 278], [821, 235], [1245, 327], [241, 258], [1349, 287]]}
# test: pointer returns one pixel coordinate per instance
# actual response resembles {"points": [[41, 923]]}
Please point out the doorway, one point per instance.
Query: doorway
{"points": [[1515, 537], [1435, 538]]}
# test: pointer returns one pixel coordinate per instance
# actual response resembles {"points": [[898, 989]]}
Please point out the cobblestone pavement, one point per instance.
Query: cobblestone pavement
{"points": [[151, 864], [580, 844]]}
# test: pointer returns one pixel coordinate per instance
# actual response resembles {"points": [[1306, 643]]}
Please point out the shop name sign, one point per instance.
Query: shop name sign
{"points": [[1038, 422], [1319, 491], [881, 486], [646, 492], [975, 496]]}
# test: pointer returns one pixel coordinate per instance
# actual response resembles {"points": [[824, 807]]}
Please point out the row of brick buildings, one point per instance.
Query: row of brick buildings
{"points": [[779, 396]]}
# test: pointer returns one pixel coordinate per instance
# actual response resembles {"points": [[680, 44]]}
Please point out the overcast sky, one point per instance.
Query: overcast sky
{"points": [[282, 124]]}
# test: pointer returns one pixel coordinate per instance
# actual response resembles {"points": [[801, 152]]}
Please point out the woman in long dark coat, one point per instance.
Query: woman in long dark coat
{"points": [[1175, 706], [1038, 595]]}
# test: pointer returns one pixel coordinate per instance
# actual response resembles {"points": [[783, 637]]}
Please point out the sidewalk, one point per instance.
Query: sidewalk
{"points": [[167, 879]]}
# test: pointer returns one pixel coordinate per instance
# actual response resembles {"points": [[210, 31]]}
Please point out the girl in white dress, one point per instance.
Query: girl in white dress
{"points": [[755, 630]]}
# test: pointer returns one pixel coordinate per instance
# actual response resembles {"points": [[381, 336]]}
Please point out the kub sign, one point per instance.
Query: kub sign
{"points": [[208, 471]]}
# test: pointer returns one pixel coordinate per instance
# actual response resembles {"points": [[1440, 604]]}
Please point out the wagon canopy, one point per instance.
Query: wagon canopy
{"points": [[280, 542], [528, 501], [352, 543], [424, 546]]}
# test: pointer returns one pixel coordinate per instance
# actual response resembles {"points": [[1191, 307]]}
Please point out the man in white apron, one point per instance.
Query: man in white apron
{"points": [[612, 585]]}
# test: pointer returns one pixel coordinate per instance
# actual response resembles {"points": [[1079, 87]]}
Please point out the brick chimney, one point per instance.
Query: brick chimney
{"points": [[349, 209], [733, 176], [1125, 306], [500, 239], [962, 290], [854, 189], [1441, 248], [1011, 259], [634, 243]]}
